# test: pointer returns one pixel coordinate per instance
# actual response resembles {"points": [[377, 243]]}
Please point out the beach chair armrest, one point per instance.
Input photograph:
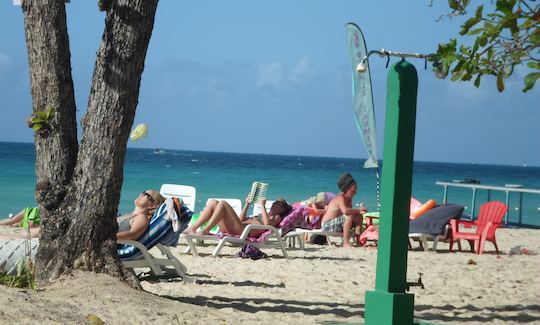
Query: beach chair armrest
{"points": [[138, 244], [466, 223], [135, 243]]}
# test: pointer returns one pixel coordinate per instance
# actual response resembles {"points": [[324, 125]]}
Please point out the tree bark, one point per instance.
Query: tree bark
{"points": [[51, 87], [80, 231]]}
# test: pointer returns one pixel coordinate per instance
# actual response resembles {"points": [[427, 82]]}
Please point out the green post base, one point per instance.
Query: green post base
{"points": [[389, 308]]}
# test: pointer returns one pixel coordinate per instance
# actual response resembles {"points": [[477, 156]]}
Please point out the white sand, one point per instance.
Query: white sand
{"points": [[313, 286]]}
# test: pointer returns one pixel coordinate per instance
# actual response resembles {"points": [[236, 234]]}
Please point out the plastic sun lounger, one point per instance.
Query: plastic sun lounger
{"points": [[185, 192], [269, 239], [158, 266], [301, 233], [236, 204], [160, 233], [434, 225]]}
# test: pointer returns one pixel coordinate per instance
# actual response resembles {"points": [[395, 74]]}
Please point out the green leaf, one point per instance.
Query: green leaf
{"points": [[453, 4], [41, 115], [482, 41], [468, 24], [37, 126], [534, 65], [490, 53], [478, 13], [535, 37], [500, 81], [476, 31], [477, 80], [530, 80], [505, 6]]}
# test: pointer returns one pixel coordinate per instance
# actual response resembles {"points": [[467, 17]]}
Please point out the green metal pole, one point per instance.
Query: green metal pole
{"points": [[388, 303]]}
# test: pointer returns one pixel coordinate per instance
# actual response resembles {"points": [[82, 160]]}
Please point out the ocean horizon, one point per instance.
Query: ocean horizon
{"points": [[229, 175]]}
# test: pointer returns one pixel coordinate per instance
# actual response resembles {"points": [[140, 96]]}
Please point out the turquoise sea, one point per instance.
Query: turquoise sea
{"points": [[216, 174]]}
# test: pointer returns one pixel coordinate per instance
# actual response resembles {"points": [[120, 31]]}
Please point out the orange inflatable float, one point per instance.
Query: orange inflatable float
{"points": [[422, 209]]}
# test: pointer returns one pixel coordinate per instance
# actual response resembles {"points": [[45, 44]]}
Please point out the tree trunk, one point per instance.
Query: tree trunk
{"points": [[51, 87], [80, 231]]}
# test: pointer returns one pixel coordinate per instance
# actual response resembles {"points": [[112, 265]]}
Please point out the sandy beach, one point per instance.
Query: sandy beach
{"points": [[318, 285]]}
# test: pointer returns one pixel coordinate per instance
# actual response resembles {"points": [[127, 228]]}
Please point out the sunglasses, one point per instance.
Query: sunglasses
{"points": [[148, 196]]}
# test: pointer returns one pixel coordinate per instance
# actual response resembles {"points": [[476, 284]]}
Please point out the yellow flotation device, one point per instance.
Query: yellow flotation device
{"points": [[139, 132]]}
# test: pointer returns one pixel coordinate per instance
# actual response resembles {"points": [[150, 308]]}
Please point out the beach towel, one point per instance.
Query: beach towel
{"points": [[433, 221], [295, 219]]}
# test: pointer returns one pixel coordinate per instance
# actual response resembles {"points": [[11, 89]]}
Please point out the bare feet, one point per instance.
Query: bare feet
{"points": [[347, 245], [189, 231]]}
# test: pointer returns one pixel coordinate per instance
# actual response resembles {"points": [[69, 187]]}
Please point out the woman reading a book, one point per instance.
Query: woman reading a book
{"points": [[222, 214]]}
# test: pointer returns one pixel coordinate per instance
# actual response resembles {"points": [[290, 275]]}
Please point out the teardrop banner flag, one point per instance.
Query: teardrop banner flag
{"points": [[362, 93]]}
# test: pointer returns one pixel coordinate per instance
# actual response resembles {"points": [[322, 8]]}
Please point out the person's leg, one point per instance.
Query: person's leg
{"points": [[226, 218], [357, 223], [347, 226], [13, 221], [34, 232], [204, 216]]}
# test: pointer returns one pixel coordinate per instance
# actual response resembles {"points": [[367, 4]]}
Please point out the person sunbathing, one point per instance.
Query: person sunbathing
{"points": [[130, 226], [340, 216], [317, 206], [222, 214]]}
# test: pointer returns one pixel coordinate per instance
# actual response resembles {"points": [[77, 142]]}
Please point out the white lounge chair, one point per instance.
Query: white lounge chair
{"points": [[236, 204], [160, 233], [185, 192], [269, 239], [272, 238]]}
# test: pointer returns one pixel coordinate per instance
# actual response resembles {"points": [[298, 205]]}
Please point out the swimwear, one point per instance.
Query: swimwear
{"points": [[335, 224], [124, 225], [259, 218]]}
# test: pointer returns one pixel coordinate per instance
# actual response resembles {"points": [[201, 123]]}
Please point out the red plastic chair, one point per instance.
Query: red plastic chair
{"points": [[489, 219]]}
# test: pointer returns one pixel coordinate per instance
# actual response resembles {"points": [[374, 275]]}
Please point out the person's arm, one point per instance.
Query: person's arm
{"points": [[265, 217], [319, 211], [345, 210], [243, 214], [138, 226]]}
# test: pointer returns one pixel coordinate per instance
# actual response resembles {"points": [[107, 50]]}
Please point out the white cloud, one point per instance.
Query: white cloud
{"points": [[270, 75], [301, 70]]}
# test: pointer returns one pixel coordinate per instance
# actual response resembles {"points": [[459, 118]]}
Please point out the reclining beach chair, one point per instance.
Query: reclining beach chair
{"points": [[185, 192], [12, 252], [236, 204], [160, 233], [306, 232], [434, 225], [271, 238]]}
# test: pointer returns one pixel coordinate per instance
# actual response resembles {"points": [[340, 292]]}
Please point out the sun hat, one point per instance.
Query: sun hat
{"points": [[345, 181]]}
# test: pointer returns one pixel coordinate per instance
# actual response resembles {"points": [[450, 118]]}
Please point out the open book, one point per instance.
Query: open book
{"points": [[258, 191]]}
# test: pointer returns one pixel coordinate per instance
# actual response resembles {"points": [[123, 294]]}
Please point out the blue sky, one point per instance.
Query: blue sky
{"points": [[275, 77]]}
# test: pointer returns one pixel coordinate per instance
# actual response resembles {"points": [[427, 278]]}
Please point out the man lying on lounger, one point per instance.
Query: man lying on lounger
{"points": [[340, 216]]}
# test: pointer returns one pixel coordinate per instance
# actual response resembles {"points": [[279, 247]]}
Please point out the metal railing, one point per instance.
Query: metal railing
{"points": [[506, 189]]}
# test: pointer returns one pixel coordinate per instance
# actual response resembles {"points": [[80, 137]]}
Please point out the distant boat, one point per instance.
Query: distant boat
{"points": [[159, 151]]}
